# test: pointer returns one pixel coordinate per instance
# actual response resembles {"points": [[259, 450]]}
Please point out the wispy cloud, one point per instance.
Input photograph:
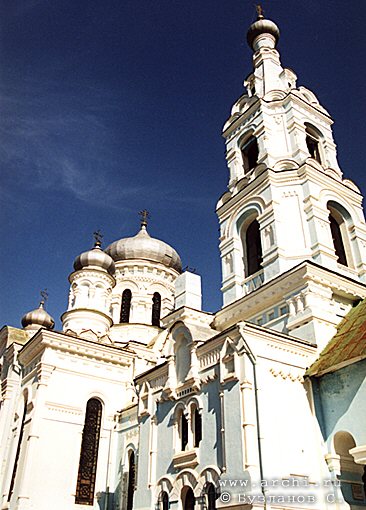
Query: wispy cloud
{"points": [[58, 142]]}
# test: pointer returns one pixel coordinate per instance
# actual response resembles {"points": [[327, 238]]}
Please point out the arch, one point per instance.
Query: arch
{"points": [[163, 501], [313, 142], [250, 235], [131, 479], [156, 309], [338, 219], [248, 145], [350, 472], [125, 306], [19, 445], [211, 496], [85, 486], [187, 498]]}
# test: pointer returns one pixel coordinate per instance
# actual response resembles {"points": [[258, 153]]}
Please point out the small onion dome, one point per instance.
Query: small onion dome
{"points": [[96, 258], [38, 317], [144, 247], [262, 26]]}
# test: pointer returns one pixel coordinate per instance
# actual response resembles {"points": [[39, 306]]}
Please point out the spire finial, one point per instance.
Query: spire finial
{"points": [[98, 236], [144, 216], [44, 295], [260, 11]]}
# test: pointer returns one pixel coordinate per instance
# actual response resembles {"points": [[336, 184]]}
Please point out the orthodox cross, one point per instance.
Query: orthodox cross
{"points": [[260, 11], [98, 236], [44, 296], [144, 216]]}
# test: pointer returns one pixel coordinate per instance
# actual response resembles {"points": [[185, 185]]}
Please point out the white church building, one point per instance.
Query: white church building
{"points": [[144, 401]]}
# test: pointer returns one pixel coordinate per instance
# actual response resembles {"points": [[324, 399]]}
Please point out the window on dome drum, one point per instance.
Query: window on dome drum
{"points": [[183, 429], [253, 248], [156, 307], [131, 480], [19, 446], [126, 306], [188, 499], [250, 153], [89, 453], [312, 142], [197, 427], [211, 497], [337, 225]]}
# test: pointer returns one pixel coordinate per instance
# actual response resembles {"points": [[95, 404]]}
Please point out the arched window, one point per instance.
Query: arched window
{"points": [[126, 306], [338, 230], [89, 453], [156, 306], [313, 143], [19, 446], [250, 153], [188, 498], [131, 480], [253, 248], [183, 431], [211, 496], [197, 427], [164, 501]]}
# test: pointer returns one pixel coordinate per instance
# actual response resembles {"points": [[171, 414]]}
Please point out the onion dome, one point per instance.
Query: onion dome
{"points": [[38, 318], [143, 246], [262, 26], [95, 257]]}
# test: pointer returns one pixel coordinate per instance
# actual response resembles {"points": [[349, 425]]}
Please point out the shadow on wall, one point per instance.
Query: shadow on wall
{"points": [[105, 500]]}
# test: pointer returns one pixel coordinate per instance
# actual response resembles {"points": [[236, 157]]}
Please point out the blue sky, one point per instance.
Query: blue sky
{"points": [[110, 107]]}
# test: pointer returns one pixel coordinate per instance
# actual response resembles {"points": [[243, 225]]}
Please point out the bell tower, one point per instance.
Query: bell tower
{"points": [[287, 201]]}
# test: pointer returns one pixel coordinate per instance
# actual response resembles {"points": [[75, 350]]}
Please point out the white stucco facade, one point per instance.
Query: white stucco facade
{"points": [[144, 401]]}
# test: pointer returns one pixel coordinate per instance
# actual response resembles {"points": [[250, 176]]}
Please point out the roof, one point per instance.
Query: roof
{"points": [[347, 346]]}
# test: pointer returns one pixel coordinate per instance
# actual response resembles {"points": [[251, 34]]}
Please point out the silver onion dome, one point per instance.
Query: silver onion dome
{"points": [[38, 317], [143, 246], [95, 257], [262, 26]]}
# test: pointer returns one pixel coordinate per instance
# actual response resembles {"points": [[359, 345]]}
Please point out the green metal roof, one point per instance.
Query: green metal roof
{"points": [[347, 346]]}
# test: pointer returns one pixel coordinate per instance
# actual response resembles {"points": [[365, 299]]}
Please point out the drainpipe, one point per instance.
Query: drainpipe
{"points": [[253, 361]]}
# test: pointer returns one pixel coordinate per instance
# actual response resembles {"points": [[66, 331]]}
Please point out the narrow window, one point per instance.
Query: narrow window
{"points": [[335, 227], [126, 306], [165, 501], [89, 453], [19, 446], [312, 143], [188, 499], [131, 481], [211, 497], [183, 431], [156, 306], [253, 248], [197, 420], [250, 154]]}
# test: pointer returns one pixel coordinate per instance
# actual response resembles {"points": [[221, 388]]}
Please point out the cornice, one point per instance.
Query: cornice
{"points": [[60, 342]]}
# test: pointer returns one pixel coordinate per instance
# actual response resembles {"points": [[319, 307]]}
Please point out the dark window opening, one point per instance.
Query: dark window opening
{"points": [[131, 481], [364, 480], [313, 148], [253, 248], [126, 306], [89, 453], [184, 431], [250, 154], [337, 240], [19, 446], [197, 428], [211, 497], [156, 307], [188, 500], [165, 501]]}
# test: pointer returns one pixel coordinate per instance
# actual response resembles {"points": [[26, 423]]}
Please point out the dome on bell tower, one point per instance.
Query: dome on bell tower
{"points": [[38, 318]]}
